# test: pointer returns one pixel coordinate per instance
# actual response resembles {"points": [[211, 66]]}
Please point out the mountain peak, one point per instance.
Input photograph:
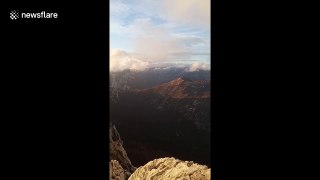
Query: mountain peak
{"points": [[182, 88], [178, 81]]}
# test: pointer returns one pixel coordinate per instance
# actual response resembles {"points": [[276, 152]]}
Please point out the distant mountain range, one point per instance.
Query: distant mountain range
{"points": [[153, 77]]}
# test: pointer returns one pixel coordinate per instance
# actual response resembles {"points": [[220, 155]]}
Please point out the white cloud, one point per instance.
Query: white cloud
{"points": [[117, 7], [189, 12], [121, 60], [155, 42], [199, 66]]}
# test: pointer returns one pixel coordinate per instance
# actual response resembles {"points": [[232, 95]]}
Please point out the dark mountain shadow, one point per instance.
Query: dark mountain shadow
{"points": [[169, 120]]}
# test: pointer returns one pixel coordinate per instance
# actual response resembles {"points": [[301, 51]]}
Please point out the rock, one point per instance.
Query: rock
{"points": [[171, 169], [116, 172], [117, 151]]}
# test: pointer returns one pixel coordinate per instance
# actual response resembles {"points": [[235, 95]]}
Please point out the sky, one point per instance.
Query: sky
{"points": [[158, 33]]}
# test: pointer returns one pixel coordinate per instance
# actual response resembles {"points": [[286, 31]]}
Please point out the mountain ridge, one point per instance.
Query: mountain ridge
{"points": [[180, 88]]}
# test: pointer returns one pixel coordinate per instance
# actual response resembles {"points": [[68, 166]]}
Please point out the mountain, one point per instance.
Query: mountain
{"points": [[190, 99], [182, 88], [168, 119], [130, 79]]}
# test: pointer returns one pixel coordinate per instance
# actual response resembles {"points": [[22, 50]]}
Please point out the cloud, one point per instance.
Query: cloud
{"points": [[163, 31], [117, 28], [121, 60], [199, 66], [156, 42], [117, 7], [189, 12]]}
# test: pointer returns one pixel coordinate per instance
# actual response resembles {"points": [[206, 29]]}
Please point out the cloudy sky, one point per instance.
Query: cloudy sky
{"points": [[152, 33]]}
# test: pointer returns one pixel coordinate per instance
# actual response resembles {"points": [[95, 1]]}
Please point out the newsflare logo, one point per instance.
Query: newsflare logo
{"points": [[14, 15]]}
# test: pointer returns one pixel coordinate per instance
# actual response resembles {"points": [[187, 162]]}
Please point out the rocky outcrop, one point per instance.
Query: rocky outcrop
{"points": [[118, 153], [171, 169], [116, 172]]}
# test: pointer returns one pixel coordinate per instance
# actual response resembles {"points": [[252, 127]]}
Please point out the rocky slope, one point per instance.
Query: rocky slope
{"points": [[118, 156], [120, 167], [171, 169]]}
